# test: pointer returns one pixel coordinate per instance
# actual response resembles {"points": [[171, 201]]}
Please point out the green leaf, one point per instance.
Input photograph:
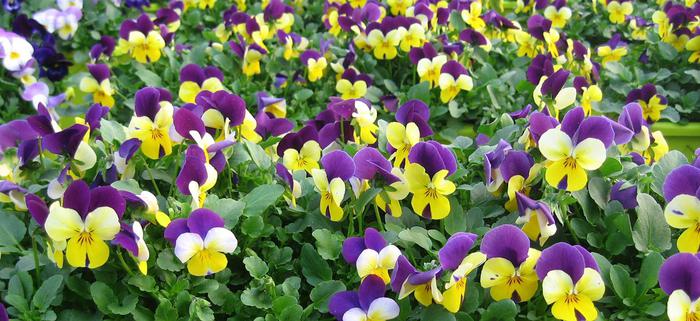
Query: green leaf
{"points": [[258, 155], [665, 165], [437, 313], [303, 94], [417, 235], [501, 310], [200, 310], [102, 295], [695, 74], [651, 232], [457, 220], [165, 312], [253, 226], [150, 78], [127, 305], [112, 131], [648, 274], [12, 229], [599, 189], [323, 291], [255, 266], [47, 292], [260, 198], [21, 284], [420, 91], [622, 283], [229, 209], [610, 166], [329, 244], [366, 197], [313, 267], [167, 261]]}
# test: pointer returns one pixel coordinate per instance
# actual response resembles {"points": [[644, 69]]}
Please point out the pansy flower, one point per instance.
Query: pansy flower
{"points": [[693, 45], [371, 255], [571, 282], [196, 176], [472, 16], [679, 277], [613, 50], [293, 186], [417, 112], [353, 85], [455, 256], [573, 148], [251, 54], [293, 44], [640, 138], [368, 303], [195, 79], [16, 51], [536, 217], [104, 48], [38, 94], [315, 64], [64, 21], [71, 142], [475, 39], [406, 280], [550, 92], [140, 39], [453, 79], [682, 192], [429, 66], [151, 123], [130, 238], [625, 193], [429, 165], [371, 164], [99, 85], [201, 241], [84, 220], [413, 34], [383, 38], [558, 13], [509, 271], [619, 10], [650, 100], [13, 193], [589, 93], [123, 155], [492, 164], [274, 106], [365, 116], [518, 170], [300, 150], [338, 167]]}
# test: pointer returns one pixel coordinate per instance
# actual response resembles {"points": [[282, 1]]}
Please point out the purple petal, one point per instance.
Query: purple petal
{"points": [[374, 240], [516, 163], [128, 148], [572, 121], [14, 132], [424, 277], [107, 196], [338, 164], [193, 169], [66, 141], [401, 272], [95, 114], [369, 161], [285, 175], [186, 121], [77, 197], [147, 102], [632, 117], [341, 302], [682, 180], [588, 258], [596, 127], [561, 256], [37, 208], [174, 229], [193, 73], [540, 123], [352, 248], [680, 272], [508, 242], [99, 71], [456, 249], [627, 196], [554, 83], [202, 220], [372, 288], [127, 240], [417, 112]]}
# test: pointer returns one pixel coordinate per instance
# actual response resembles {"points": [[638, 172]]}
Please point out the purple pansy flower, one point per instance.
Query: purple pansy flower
{"points": [[367, 303]]}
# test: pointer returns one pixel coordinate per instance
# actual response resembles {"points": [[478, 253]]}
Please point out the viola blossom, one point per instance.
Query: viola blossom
{"points": [[250, 54], [571, 282], [338, 167], [649, 146], [413, 34], [625, 193], [399, 7], [201, 241], [196, 176], [453, 79], [13, 193], [223, 111], [550, 92], [293, 189], [614, 49], [371, 255], [370, 164], [273, 106], [104, 48], [16, 52], [536, 217], [429, 165], [365, 116], [619, 10], [472, 16], [679, 278], [63, 21], [195, 79], [693, 45], [368, 303], [475, 39], [650, 100], [428, 63], [130, 238], [38, 94], [293, 44], [84, 220], [492, 164], [455, 256], [151, 122], [509, 271], [417, 112], [406, 280], [98, 85], [71, 143], [558, 13], [527, 44], [300, 150], [682, 193], [315, 64], [579, 144], [140, 40], [518, 170], [123, 155], [589, 93], [639, 28], [384, 37], [353, 85]]}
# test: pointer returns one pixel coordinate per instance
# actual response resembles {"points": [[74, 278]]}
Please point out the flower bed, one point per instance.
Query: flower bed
{"points": [[350, 160]]}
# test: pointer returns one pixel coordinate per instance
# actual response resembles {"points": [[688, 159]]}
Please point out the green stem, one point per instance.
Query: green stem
{"points": [[351, 224], [124, 265], [37, 271], [153, 179], [360, 220], [379, 217]]}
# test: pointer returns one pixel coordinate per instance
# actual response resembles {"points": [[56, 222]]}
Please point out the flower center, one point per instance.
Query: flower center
{"points": [[156, 134], [14, 55], [571, 299], [570, 162], [85, 239], [430, 192], [692, 316], [514, 280]]}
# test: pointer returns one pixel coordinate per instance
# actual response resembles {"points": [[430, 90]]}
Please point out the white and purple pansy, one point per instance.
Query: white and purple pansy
{"points": [[368, 303]]}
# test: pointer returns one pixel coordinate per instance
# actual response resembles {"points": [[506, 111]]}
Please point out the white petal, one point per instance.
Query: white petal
{"points": [[367, 262], [221, 240], [187, 245], [388, 256], [383, 309], [555, 144]]}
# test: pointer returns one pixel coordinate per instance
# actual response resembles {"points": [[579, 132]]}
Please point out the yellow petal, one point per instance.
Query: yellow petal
{"points": [[103, 223], [496, 271], [590, 154], [683, 211], [556, 286], [63, 223], [591, 285], [555, 145]]}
